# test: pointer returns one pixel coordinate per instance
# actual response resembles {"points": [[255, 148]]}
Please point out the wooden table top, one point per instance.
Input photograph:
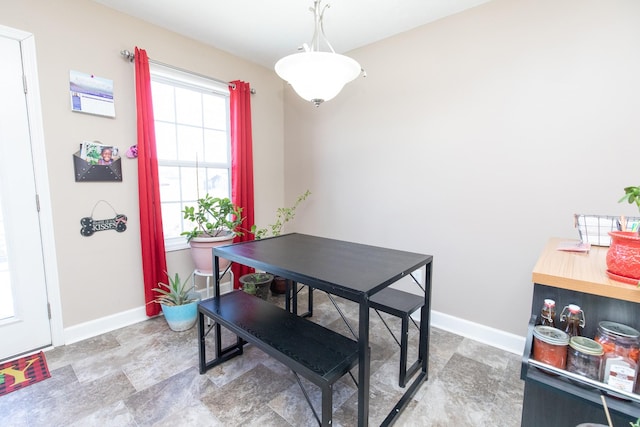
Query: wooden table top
{"points": [[583, 272]]}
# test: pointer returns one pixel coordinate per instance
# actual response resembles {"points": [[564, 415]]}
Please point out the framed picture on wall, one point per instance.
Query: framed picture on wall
{"points": [[91, 94]]}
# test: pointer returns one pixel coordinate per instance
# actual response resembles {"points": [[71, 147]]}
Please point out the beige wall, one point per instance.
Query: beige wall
{"points": [[101, 275], [475, 139]]}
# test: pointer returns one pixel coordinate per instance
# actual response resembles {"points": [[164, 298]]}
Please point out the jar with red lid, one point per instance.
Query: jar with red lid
{"points": [[572, 317], [548, 313], [550, 346], [610, 333]]}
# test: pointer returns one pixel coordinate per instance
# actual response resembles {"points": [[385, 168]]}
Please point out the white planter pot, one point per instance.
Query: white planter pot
{"points": [[202, 251]]}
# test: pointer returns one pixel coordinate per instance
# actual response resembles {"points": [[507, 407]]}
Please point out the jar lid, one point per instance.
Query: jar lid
{"points": [[618, 329], [586, 345], [573, 308], [551, 335], [549, 302]]}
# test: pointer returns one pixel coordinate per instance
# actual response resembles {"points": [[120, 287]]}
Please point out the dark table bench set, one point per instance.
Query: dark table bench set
{"points": [[359, 273]]}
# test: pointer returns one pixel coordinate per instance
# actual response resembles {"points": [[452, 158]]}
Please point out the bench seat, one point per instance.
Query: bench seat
{"points": [[318, 354]]}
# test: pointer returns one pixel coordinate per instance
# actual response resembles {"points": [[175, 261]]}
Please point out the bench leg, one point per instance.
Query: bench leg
{"points": [[327, 405], [404, 344], [291, 299], [201, 347]]}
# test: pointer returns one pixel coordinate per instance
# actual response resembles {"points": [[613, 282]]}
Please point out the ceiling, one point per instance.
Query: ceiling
{"points": [[263, 31]]}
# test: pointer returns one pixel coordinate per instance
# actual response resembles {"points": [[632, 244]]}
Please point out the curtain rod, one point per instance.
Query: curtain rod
{"points": [[131, 56]]}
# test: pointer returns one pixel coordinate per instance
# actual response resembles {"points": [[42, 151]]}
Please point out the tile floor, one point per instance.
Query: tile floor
{"points": [[147, 375]]}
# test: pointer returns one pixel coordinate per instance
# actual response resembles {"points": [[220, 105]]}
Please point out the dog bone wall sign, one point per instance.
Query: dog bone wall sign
{"points": [[90, 225]]}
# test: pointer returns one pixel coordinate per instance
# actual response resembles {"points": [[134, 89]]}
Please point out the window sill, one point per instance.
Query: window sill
{"points": [[175, 244]]}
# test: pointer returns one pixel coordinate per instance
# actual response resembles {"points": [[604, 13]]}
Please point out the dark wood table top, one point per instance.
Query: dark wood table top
{"points": [[350, 270]]}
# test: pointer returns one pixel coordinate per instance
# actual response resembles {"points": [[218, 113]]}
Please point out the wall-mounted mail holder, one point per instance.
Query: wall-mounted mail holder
{"points": [[87, 172]]}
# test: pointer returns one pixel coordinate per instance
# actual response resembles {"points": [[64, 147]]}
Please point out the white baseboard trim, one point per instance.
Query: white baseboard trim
{"points": [[475, 331], [494, 337], [104, 324], [224, 288], [119, 320]]}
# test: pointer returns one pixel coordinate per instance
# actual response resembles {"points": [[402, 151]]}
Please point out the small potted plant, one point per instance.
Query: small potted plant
{"points": [[256, 284], [623, 256], [179, 303], [217, 221], [283, 216]]}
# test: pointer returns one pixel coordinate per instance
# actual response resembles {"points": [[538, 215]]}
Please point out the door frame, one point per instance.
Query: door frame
{"points": [[38, 152]]}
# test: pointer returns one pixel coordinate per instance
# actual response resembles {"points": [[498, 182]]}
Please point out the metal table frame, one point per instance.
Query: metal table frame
{"points": [[350, 270]]}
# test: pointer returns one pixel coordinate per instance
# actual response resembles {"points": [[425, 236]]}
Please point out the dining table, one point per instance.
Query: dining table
{"points": [[353, 271]]}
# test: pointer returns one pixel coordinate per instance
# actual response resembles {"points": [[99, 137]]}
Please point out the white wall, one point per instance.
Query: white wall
{"points": [[475, 139], [101, 275]]}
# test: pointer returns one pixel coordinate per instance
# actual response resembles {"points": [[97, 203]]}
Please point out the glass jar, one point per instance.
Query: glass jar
{"points": [[609, 333], [548, 313], [573, 319], [584, 357], [550, 346], [619, 370]]}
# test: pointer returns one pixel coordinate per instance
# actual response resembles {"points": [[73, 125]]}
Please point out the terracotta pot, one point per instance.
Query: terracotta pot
{"points": [[202, 253], [623, 257], [279, 285]]}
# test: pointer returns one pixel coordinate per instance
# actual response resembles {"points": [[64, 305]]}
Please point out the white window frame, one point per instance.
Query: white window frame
{"points": [[180, 78]]}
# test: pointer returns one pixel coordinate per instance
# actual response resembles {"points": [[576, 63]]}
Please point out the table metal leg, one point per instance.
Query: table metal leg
{"points": [[364, 365]]}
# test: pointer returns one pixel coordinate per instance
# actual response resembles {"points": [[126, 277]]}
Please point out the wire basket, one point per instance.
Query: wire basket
{"points": [[595, 229]]}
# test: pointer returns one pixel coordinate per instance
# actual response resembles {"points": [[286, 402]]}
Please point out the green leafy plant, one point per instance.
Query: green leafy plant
{"points": [[636, 424], [175, 293], [213, 217], [283, 215], [631, 195]]}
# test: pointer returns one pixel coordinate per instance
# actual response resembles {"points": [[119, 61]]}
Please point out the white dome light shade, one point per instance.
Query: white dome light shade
{"points": [[317, 76]]}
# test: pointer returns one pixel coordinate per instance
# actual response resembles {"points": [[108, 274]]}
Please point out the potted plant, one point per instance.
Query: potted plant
{"points": [[623, 256], [283, 216], [256, 284], [217, 221], [179, 303]]}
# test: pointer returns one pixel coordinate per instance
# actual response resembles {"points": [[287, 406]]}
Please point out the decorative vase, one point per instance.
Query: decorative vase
{"points": [[181, 317], [256, 284], [202, 254], [623, 256]]}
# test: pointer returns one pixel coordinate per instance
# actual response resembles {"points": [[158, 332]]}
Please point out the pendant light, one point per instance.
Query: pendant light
{"points": [[316, 75]]}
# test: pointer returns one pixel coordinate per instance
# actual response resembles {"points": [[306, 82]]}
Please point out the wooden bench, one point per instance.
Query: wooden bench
{"points": [[318, 354]]}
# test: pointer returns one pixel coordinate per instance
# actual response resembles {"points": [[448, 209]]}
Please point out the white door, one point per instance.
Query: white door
{"points": [[24, 312]]}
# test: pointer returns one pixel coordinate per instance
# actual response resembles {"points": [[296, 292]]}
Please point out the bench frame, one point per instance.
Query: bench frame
{"points": [[400, 304], [318, 354]]}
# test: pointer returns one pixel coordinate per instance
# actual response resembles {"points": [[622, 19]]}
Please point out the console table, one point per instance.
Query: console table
{"points": [[349, 270], [557, 398]]}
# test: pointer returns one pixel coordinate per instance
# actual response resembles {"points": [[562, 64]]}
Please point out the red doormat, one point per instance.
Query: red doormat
{"points": [[19, 373]]}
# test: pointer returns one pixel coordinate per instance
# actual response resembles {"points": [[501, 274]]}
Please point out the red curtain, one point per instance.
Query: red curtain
{"points": [[154, 262], [242, 164]]}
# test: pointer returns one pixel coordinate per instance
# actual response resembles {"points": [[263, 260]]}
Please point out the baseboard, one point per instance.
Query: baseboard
{"points": [[224, 288], [116, 321], [475, 331], [494, 337], [104, 324]]}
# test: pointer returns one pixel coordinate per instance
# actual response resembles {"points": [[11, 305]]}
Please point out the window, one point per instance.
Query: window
{"points": [[193, 142]]}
